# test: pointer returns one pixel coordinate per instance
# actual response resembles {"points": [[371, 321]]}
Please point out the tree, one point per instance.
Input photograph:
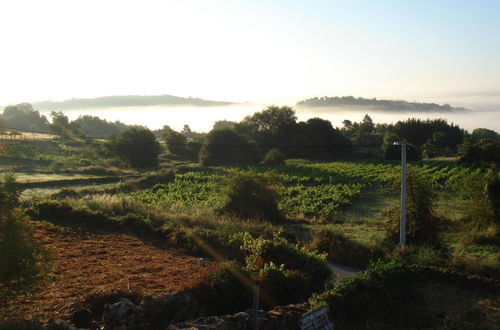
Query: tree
{"points": [[176, 143], [3, 127], [24, 117], [484, 133], [228, 147], [271, 120], [61, 126], [136, 146], [221, 124], [323, 141], [97, 127], [484, 150]]}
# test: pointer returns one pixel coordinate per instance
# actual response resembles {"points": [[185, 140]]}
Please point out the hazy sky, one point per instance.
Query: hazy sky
{"points": [[256, 51]]}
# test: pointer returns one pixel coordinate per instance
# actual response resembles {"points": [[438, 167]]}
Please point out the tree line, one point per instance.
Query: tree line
{"points": [[273, 133]]}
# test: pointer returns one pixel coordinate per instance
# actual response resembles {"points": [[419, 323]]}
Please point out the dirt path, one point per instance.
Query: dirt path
{"points": [[88, 263]]}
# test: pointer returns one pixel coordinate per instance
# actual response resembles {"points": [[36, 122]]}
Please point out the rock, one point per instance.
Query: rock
{"points": [[56, 324], [122, 315], [82, 318]]}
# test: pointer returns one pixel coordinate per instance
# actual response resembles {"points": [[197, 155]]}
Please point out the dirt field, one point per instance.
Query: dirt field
{"points": [[91, 263]]}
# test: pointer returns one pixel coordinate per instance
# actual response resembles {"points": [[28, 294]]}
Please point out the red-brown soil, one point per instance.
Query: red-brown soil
{"points": [[89, 263]]}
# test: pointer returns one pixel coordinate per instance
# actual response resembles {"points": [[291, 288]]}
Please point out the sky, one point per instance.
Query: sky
{"points": [[252, 51]]}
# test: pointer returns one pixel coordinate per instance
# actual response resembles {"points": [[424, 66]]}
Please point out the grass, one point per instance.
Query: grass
{"points": [[45, 177]]}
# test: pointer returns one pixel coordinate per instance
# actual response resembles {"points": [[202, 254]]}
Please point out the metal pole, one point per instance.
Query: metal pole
{"points": [[402, 224], [255, 310]]}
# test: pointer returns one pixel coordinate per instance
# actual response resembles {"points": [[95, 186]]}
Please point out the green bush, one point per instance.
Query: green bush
{"points": [[229, 290], [383, 295], [422, 225], [251, 195], [274, 157], [22, 259], [136, 146], [280, 287], [313, 266], [176, 143]]}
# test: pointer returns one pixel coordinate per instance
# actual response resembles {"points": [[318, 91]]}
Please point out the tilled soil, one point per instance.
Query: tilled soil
{"points": [[90, 263]]}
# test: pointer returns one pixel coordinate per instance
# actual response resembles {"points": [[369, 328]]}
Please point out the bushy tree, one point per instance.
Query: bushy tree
{"points": [[24, 117], [484, 150], [176, 143], [423, 226], [62, 126], [484, 133], [221, 124], [274, 157], [252, 195], [136, 146], [22, 259], [228, 147], [271, 120], [100, 128]]}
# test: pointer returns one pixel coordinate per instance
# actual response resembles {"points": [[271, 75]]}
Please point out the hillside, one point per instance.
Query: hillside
{"points": [[374, 104], [123, 101]]}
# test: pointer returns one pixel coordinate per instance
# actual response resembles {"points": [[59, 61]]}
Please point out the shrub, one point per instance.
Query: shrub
{"points": [[22, 259], [252, 195], [176, 143], [384, 294], [342, 250], [136, 146], [274, 157], [312, 265], [279, 287], [481, 194], [422, 225], [228, 147], [229, 290]]}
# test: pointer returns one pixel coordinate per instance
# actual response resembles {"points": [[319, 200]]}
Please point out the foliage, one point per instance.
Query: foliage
{"points": [[484, 150], [222, 124], [418, 132], [137, 146], [312, 265], [24, 117], [252, 196], [484, 133], [422, 225], [385, 293], [272, 120], [23, 260], [99, 128], [274, 157], [228, 147], [229, 290], [279, 286], [176, 143], [481, 195], [63, 127]]}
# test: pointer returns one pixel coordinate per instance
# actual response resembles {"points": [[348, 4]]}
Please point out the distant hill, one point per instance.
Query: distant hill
{"points": [[124, 101], [374, 104]]}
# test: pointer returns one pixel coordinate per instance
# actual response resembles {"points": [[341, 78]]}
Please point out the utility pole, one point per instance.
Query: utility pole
{"points": [[255, 309], [402, 223]]}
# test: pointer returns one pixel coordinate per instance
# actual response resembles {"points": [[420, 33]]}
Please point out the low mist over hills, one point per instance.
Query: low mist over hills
{"points": [[124, 101], [374, 104]]}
